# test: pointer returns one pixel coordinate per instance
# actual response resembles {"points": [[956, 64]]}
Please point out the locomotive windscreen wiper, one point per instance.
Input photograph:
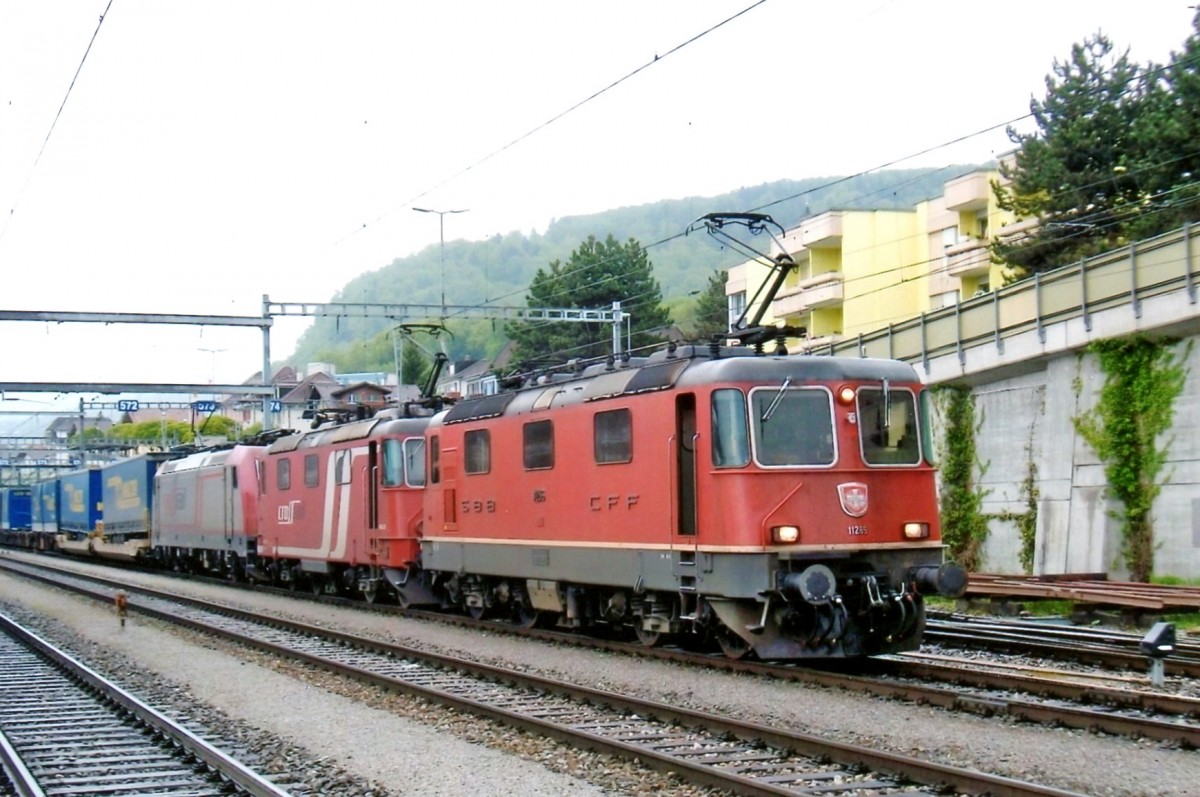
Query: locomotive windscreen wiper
{"points": [[775, 402]]}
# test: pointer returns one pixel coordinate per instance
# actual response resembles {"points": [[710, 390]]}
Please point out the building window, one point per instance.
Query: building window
{"points": [[737, 306], [613, 436], [478, 444], [283, 474], [539, 445], [312, 471]]}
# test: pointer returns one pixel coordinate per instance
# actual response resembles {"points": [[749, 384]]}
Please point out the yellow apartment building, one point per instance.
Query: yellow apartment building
{"points": [[859, 270]]}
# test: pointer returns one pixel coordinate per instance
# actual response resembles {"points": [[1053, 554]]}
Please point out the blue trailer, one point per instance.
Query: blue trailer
{"points": [[128, 495], [44, 510], [15, 516], [15, 509], [81, 503]]}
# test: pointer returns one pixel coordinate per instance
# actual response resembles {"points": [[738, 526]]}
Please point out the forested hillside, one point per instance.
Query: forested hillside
{"points": [[498, 270]]}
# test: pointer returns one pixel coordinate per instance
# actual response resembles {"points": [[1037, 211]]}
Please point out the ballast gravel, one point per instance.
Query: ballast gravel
{"points": [[385, 745]]}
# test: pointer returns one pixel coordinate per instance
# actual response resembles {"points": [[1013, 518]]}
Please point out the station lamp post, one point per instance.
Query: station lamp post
{"points": [[442, 242]]}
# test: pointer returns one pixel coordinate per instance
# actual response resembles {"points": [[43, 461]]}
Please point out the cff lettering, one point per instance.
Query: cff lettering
{"points": [[601, 503]]}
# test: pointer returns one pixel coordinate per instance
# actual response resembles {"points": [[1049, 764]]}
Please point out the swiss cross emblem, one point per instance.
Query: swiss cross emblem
{"points": [[853, 496]]}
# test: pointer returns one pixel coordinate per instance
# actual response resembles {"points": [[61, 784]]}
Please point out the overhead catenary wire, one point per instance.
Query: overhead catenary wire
{"points": [[594, 95], [29, 175]]}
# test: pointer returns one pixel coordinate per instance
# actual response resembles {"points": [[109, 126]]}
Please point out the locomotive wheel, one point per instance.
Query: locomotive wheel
{"points": [[317, 584], [477, 612], [527, 616], [732, 645], [648, 639], [371, 593]]}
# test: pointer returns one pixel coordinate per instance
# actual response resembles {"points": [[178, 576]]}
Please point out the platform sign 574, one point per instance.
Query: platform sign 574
{"points": [[204, 406]]}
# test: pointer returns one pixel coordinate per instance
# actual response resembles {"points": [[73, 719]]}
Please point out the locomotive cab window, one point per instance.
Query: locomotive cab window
{"points": [[539, 445], [730, 437], [793, 427], [478, 445], [613, 436], [887, 422], [393, 463], [283, 474], [414, 461]]}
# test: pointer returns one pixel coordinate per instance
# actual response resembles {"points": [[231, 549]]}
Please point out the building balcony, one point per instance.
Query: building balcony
{"points": [[817, 342], [823, 231], [969, 258], [1017, 230], [969, 192], [823, 290]]}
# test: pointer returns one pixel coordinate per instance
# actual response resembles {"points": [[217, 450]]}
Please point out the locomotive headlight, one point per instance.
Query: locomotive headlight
{"points": [[846, 395], [785, 533], [916, 531]]}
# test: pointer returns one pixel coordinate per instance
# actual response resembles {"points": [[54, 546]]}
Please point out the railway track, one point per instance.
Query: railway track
{"points": [[1102, 647], [1057, 698], [706, 749], [66, 730]]}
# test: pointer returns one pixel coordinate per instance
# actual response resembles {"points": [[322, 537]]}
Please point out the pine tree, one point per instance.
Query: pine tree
{"points": [[1075, 174], [1166, 133], [596, 275], [712, 308]]}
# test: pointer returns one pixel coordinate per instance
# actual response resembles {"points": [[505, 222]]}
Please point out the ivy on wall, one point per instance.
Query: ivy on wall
{"points": [[964, 526], [1142, 379], [1026, 522]]}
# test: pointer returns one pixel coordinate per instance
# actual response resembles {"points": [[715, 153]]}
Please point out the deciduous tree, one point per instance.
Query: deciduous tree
{"points": [[596, 275]]}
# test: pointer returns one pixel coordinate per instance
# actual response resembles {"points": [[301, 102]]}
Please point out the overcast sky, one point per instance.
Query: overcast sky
{"points": [[210, 153]]}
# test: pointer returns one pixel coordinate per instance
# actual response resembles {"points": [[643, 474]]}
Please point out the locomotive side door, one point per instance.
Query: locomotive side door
{"points": [[685, 471], [685, 534]]}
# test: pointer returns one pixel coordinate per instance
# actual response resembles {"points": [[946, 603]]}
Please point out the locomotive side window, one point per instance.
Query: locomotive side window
{"points": [[926, 399], [613, 436], [414, 461], [539, 445], [478, 444], [393, 463], [887, 422], [435, 460], [312, 470], [283, 474], [341, 467], [792, 426], [730, 437]]}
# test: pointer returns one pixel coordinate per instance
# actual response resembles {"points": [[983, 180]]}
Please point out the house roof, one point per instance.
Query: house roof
{"points": [[318, 387], [381, 392]]}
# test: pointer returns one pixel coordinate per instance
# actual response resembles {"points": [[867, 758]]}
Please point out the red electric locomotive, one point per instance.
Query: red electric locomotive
{"points": [[340, 507], [783, 505]]}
